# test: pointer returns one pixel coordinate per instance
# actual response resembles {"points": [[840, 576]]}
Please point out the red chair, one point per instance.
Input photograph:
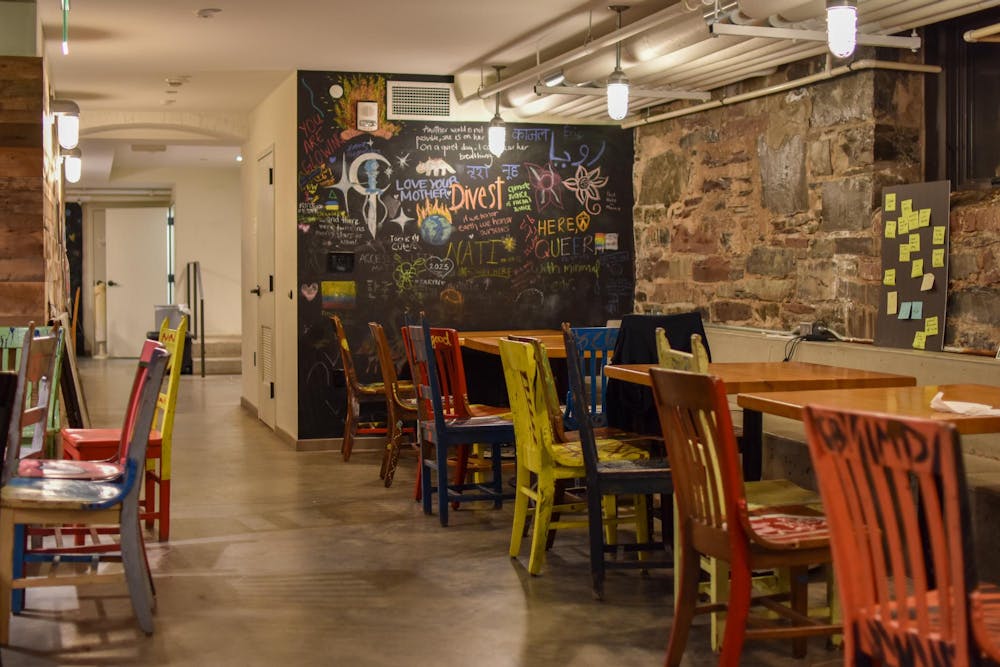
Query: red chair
{"points": [[400, 405], [895, 495], [357, 393]]}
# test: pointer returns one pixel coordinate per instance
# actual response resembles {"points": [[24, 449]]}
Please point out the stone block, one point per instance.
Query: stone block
{"points": [[847, 204], [730, 311], [817, 280], [963, 265], [979, 304], [843, 100], [893, 143], [711, 269], [664, 179], [819, 158], [697, 238], [770, 261], [853, 150], [854, 245], [766, 289], [783, 175]]}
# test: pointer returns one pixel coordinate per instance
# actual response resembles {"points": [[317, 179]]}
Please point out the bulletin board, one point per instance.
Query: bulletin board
{"points": [[914, 266]]}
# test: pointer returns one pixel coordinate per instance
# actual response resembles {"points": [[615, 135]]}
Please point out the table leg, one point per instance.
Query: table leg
{"points": [[753, 444]]}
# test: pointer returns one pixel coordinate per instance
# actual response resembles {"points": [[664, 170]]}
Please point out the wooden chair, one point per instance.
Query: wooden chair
{"points": [[63, 501], [715, 520], [895, 495], [401, 407], [440, 432], [695, 361], [616, 476], [94, 444], [594, 348], [11, 345], [357, 393]]}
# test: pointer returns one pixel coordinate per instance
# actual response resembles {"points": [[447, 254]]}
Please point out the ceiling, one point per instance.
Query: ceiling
{"points": [[159, 58]]}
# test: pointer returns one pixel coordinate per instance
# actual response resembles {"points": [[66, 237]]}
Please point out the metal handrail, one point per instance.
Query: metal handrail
{"points": [[196, 298]]}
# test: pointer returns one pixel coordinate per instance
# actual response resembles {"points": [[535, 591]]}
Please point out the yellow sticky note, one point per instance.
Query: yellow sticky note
{"points": [[939, 235], [903, 226], [904, 252], [907, 206], [890, 277], [890, 229], [920, 340], [890, 201], [937, 258], [931, 326], [917, 268], [914, 242], [914, 219], [925, 217], [891, 304], [927, 283]]}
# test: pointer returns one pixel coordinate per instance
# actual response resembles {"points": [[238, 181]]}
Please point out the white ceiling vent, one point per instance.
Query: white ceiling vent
{"points": [[417, 100]]}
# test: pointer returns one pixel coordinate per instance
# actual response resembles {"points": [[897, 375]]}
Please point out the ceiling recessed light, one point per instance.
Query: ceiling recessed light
{"points": [[207, 12], [170, 92], [167, 102], [239, 158]]}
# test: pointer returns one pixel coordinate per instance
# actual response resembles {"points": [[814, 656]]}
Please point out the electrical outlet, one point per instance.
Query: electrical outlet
{"points": [[805, 328]]}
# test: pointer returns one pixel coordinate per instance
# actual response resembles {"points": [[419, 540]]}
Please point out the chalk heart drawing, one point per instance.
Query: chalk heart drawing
{"points": [[310, 291], [440, 266]]}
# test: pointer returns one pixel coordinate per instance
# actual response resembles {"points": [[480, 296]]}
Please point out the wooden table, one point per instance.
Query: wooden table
{"points": [[896, 401], [489, 341], [770, 376]]}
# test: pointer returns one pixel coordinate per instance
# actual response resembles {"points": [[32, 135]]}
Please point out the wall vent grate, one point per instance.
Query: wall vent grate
{"points": [[414, 100]]}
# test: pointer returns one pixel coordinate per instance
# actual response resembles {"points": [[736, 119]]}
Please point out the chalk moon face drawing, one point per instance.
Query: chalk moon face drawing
{"points": [[336, 91]]}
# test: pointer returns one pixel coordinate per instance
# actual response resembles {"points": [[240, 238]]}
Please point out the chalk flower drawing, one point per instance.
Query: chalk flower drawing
{"points": [[586, 185]]}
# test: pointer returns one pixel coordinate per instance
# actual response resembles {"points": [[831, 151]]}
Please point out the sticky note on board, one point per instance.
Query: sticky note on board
{"points": [[907, 206], [891, 305], [914, 219], [916, 310], [927, 284], [917, 268], [938, 233], [920, 340], [937, 258], [931, 326], [890, 229], [890, 201], [890, 277], [925, 217], [902, 225], [611, 241], [904, 252], [915, 242], [904, 310]]}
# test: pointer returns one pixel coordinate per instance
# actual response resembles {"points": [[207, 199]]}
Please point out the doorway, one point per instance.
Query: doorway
{"points": [[264, 176]]}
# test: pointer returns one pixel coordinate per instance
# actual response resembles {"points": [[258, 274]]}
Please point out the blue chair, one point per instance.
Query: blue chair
{"points": [[439, 433], [595, 346]]}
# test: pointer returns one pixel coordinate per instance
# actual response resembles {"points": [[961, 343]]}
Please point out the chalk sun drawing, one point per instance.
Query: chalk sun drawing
{"points": [[586, 185]]}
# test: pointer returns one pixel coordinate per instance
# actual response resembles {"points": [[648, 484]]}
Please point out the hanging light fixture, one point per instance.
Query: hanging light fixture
{"points": [[67, 114], [618, 82], [72, 164], [497, 132], [841, 26]]}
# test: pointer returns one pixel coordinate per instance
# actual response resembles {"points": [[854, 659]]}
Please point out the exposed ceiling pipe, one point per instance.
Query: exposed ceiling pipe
{"points": [[891, 21], [789, 10], [782, 87], [533, 73], [990, 33]]}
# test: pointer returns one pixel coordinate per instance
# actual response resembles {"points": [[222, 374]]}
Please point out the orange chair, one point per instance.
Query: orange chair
{"points": [[400, 404], [895, 494], [714, 520], [98, 444], [357, 393]]}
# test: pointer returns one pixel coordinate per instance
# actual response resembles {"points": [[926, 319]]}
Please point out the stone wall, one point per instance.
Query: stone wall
{"points": [[765, 213]]}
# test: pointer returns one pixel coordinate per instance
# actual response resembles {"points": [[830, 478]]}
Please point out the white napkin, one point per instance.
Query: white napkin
{"points": [[961, 407]]}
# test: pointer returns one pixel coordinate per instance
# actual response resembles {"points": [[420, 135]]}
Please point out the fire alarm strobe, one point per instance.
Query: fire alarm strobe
{"points": [[368, 116]]}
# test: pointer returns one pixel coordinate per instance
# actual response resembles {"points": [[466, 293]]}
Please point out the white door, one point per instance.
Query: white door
{"points": [[136, 261], [265, 289]]}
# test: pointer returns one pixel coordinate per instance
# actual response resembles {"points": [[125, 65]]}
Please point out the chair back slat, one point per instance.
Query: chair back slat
{"points": [[387, 365], [450, 370], [173, 341], [895, 496], [551, 393], [594, 346], [430, 404], [529, 409], [695, 361], [346, 360]]}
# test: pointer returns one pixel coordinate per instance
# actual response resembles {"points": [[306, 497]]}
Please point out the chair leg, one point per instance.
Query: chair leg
{"points": [[497, 465], [136, 575], [642, 525], [558, 499], [425, 479], [736, 621], [350, 426], [164, 510], [20, 544], [442, 482], [595, 529], [6, 573], [543, 516], [462, 453], [687, 566], [800, 603], [718, 592], [148, 501], [523, 484]]}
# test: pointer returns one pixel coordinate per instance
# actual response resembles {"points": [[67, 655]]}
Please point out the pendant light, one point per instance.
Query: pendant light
{"points": [[841, 27], [618, 82], [67, 114], [497, 132]]}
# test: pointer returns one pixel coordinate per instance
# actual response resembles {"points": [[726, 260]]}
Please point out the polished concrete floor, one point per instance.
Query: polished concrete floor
{"points": [[279, 557]]}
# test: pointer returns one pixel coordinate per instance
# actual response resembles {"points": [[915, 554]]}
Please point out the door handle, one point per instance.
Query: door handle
{"points": [[256, 290], [112, 283]]}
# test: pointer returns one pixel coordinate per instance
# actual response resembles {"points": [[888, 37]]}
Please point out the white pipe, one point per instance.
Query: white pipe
{"points": [[787, 9], [782, 87], [984, 34]]}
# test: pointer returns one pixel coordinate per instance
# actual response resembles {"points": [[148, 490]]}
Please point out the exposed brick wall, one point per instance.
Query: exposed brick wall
{"points": [[765, 213]]}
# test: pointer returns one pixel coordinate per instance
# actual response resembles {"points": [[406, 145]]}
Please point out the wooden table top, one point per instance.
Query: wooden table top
{"points": [[757, 376], [897, 401], [489, 341]]}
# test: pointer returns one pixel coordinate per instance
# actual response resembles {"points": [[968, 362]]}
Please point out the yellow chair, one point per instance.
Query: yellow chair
{"points": [[96, 444], [762, 493], [550, 460]]}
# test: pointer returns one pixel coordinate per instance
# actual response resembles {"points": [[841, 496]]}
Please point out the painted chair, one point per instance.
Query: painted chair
{"points": [[11, 344], [594, 349], [357, 393], [895, 495], [63, 501], [401, 406], [695, 361], [440, 432], [641, 478], [715, 520], [94, 444]]}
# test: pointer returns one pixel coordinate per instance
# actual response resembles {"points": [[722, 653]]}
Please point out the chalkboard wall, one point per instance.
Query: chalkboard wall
{"points": [[419, 215]]}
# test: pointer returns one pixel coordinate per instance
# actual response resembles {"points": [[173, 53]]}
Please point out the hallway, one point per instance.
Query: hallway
{"points": [[296, 558]]}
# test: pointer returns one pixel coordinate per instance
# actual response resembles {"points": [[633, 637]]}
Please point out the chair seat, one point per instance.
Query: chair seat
{"points": [[569, 453], [98, 444], [26, 493], [793, 526], [95, 471]]}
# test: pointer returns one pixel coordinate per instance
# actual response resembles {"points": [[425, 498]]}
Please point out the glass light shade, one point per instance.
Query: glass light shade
{"points": [[68, 128], [72, 167], [497, 136], [617, 95], [841, 29]]}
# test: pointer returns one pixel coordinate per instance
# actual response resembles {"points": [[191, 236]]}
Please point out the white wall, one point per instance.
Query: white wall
{"points": [[273, 126]]}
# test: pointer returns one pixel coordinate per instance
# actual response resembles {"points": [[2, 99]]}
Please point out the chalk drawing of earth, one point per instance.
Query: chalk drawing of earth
{"points": [[435, 229]]}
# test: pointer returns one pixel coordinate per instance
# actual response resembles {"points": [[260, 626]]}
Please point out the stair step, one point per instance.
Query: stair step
{"points": [[219, 366]]}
